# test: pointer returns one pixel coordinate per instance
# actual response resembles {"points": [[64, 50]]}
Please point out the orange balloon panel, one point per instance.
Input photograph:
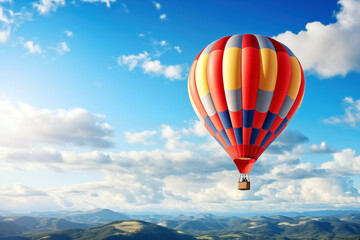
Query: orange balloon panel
{"points": [[246, 89]]}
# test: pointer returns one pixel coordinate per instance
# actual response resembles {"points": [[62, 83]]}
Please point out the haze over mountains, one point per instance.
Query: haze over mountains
{"points": [[107, 224]]}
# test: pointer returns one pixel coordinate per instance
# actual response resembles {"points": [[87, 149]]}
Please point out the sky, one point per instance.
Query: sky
{"points": [[94, 108]]}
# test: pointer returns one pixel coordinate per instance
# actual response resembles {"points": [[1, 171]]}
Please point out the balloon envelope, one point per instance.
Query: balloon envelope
{"points": [[246, 89]]}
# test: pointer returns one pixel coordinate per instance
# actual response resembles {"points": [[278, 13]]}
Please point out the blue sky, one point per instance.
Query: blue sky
{"points": [[94, 110]]}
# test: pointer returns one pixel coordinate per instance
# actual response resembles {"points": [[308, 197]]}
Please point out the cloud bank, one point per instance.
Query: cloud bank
{"points": [[329, 50], [182, 168], [23, 125]]}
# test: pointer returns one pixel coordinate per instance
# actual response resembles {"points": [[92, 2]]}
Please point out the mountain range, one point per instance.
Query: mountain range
{"points": [[122, 230], [346, 226], [107, 224]]}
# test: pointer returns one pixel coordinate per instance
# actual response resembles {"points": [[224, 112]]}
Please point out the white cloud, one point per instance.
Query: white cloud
{"points": [[214, 192], [163, 43], [163, 16], [172, 72], [319, 47], [62, 48], [4, 35], [32, 48], [132, 60], [321, 148], [345, 163], [197, 128], [139, 137], [320, 192], [6, 23], [107, 2], [3, 17], [141, 35], [351, 116], [10, 21], [69, 33], [157, 5], [23, 125], [177, 155], [45, 6], [18, 190], [178, 49], [184, 175], [174, 139], [31, 156]]}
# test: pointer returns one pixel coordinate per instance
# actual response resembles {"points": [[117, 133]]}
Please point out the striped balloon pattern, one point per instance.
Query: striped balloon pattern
{"points": [[246, 89]]}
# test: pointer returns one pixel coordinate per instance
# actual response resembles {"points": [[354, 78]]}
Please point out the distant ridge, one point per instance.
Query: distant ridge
{"points": [[341, 226], [202, 226], [25, 225], [156, 216], [121, 230], [95, 216]]}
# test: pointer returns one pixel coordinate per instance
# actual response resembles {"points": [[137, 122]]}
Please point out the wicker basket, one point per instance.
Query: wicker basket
{"points": [[244, 185]]}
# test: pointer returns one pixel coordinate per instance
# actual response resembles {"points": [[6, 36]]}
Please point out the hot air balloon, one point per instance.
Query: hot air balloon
{"points": [[246, 89]]}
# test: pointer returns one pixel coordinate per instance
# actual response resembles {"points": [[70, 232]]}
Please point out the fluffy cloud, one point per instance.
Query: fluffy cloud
{"points": [[163, 16], [328, 191], [177, 156], [62, 48], [345, 163], [18, 190], [321, 148], [4, 20], [319, 47], [154, 67], [157, 5], [197, 128], [24, 125], [31, 156], [4, 35], [46, 6], [107, 2], [69, 33], [292, 170], [139, 137], [133, 60], [161, 43], [32, 48], [172, 72], [215, 192], [10, 20], [3, 17], [351, 116], [183, 172]]}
